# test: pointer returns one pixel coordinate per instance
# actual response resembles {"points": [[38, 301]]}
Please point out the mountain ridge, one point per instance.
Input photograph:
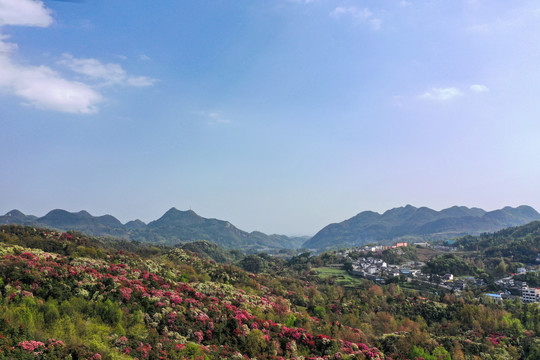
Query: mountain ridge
{"points": [[173, 227], [422, 223], [177, 226]]}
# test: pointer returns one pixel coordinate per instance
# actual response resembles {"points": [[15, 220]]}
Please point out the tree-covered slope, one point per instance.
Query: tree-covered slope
{"points": [[521, 243], [420, 223], [173, 227], [66, 295]]}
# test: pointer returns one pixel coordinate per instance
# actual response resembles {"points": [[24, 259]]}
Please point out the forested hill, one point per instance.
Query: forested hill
{"points": [[173, 227], [70, 296], [522, 243], [64, 295], [411, 223]]}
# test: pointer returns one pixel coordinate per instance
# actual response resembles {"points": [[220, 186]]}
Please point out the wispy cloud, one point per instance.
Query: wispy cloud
{"points": [[41, 86], [140, 81], [477, 88], [110, 73], [95, 69], [442, 94], [361, 15], [213, 117], [144, 57]]}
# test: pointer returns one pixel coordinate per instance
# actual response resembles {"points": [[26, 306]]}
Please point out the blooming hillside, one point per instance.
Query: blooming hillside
{"points": [[119, 305], [69, 296]]}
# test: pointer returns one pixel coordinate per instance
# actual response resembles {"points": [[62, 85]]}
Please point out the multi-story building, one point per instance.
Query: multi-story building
{"points": [[529, 295]]}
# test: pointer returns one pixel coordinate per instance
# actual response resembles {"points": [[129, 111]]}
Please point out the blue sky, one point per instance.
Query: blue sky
{"points": [[280, 116]]}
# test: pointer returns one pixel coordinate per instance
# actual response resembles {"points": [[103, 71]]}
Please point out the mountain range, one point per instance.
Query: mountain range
{"points": [[173, 227], [410, 223], [406, 223]]}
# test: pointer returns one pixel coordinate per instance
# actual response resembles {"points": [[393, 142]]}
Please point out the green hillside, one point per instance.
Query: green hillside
{"points": [[418, 224], [71, 296], [174, 227]]}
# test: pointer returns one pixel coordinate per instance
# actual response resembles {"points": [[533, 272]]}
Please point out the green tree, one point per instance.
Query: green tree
{"points": [[319, 312], [418, 352], [254, 264], [255, 343], [50, 314], [440, 353], [291, 320], [501, 268]]}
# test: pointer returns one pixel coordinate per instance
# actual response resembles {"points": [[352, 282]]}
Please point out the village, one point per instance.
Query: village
{"points": [[374, 268]]}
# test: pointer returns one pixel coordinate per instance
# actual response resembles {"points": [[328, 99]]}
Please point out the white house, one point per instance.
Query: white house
{"points": [[529, 295]]}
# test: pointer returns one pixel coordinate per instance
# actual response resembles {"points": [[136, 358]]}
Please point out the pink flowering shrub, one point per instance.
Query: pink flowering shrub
{"points": [[31, 345]]}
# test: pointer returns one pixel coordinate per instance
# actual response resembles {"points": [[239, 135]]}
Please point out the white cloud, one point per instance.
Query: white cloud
{"points": [[39, 86], [140, 81], [110, 73], [43, 87], [5, 47], [404, 3], [93, 68], [144, 57], [361, 15], [442, 94], [24, 12], [479, 88]]}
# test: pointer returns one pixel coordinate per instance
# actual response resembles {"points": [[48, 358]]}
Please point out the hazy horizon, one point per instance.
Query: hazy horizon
{"points": [[124, 221], [279, 116]]}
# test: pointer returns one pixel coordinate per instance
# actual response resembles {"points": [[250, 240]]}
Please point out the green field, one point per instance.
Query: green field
{"points": [[341, 276], [418, 286]]}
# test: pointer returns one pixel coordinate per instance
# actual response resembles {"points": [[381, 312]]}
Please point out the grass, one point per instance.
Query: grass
{"points": [[423, 287], [341, 276]]}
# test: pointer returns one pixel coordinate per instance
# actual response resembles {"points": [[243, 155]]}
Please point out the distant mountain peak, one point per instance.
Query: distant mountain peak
{"points": [[177, 218], [15, 213], [135, 225], [136, 221], [526, 209], [173, 227], [57, 211], [419, 224], [175, 212], [14, 217]]}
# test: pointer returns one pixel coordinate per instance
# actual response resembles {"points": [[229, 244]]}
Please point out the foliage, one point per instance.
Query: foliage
{"points": [[417, 224], [212, 251], [449, 264], [521, 243], [66, 295]]}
